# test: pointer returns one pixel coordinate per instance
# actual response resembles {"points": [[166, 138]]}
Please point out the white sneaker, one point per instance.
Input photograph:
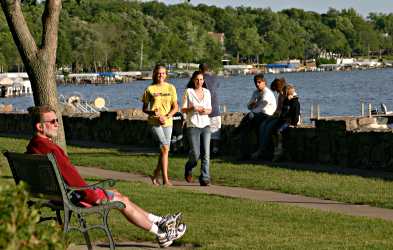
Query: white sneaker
{"points": [[170, 220], [166, 238]]}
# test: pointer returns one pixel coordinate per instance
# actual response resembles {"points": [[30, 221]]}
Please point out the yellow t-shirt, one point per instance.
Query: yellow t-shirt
{"points": [[160, 97]]}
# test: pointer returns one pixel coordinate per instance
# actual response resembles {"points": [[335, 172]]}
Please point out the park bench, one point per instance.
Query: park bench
{"points": [[48, 189]]}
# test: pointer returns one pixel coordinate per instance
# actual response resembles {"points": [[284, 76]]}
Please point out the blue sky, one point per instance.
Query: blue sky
{"points": [[362, 6]]}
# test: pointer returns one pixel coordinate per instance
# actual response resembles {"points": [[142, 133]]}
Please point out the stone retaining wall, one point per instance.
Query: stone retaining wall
{"points": [[343, 141]]}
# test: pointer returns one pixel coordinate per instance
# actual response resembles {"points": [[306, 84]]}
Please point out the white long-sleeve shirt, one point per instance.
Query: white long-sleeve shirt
{"points": [[193, 118], [265, 102]]}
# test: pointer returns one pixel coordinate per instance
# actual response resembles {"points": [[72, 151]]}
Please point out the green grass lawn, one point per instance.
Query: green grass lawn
{"points": [[345, 188], [216, 222], [224, 223]]}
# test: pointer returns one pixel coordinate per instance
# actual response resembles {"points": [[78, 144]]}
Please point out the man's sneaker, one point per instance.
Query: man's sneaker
{"points": [[204, 183], [163, 241], [166, 238], [170, 220]]}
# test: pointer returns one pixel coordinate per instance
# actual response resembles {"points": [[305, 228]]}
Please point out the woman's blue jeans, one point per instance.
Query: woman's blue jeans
{"points": [[199, 139]]}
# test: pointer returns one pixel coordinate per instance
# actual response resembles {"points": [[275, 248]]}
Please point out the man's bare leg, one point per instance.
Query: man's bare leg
{"points": [[133, 213]]}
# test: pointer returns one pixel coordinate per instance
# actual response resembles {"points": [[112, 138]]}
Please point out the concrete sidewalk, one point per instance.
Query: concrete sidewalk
{"points": [[259, 195]]}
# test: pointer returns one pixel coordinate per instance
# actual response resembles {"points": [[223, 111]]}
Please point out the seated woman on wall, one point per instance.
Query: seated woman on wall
{"points": [[289, 116]]}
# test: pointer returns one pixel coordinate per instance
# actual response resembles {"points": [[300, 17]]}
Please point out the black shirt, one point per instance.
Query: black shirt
{"points": [[290, 111]]}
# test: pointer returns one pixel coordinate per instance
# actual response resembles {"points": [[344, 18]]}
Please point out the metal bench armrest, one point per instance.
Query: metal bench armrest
{"points": [[101, 184]]}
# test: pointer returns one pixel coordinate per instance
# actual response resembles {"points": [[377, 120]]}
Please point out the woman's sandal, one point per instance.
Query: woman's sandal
{"points": [[154, 180]]}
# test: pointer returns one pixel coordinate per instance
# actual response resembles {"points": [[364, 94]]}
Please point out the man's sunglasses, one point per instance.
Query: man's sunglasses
{"points": [[53, 121]]}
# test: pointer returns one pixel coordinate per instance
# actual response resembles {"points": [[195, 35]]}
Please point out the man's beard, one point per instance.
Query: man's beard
{"points": [[51, 134]]}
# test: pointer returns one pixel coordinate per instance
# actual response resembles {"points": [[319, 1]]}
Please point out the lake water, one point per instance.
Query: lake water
{"points": [[337, 93]]}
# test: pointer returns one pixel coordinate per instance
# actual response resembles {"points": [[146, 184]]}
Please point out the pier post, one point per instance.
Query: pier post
{"points": [[223, 108]]}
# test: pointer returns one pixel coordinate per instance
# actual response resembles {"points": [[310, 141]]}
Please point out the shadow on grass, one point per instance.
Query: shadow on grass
{"points": [[6, 177], [125, 153], [106, 154], [314, 167], [120, 148], [15, 135]]}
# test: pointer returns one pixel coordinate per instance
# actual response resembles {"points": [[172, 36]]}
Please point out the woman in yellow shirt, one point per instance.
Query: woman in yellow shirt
{"points": [[160, 103]]}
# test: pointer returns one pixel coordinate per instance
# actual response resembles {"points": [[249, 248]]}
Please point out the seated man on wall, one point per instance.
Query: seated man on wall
{"points": [[262, 105], [45, 126]]}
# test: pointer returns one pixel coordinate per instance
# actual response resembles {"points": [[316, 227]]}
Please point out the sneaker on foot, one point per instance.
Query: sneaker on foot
{"points": [[163, 240], [181, 230], [167, 220], [204, 183], [166, 237]]}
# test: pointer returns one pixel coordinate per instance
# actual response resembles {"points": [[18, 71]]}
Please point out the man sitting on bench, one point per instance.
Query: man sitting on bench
{"points": [[45, 125]]}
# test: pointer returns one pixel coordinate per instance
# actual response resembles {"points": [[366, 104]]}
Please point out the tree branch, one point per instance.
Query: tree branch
{"points": [[50, 26]]}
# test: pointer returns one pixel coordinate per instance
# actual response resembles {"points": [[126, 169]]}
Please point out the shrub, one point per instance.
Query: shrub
{"points": [[18, 223]]}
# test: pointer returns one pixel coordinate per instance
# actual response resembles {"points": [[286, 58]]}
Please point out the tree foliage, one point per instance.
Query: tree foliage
{"points": [[98, 35]]}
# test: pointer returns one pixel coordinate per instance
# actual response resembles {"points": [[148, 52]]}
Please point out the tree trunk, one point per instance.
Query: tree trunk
{"points": [[39, 61]]}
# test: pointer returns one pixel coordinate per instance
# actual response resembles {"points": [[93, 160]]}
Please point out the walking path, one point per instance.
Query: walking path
{"points": [[259, 195]]}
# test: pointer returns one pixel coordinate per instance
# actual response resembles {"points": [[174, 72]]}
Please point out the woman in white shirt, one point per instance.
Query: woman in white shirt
{"points": [[197, 107]]}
